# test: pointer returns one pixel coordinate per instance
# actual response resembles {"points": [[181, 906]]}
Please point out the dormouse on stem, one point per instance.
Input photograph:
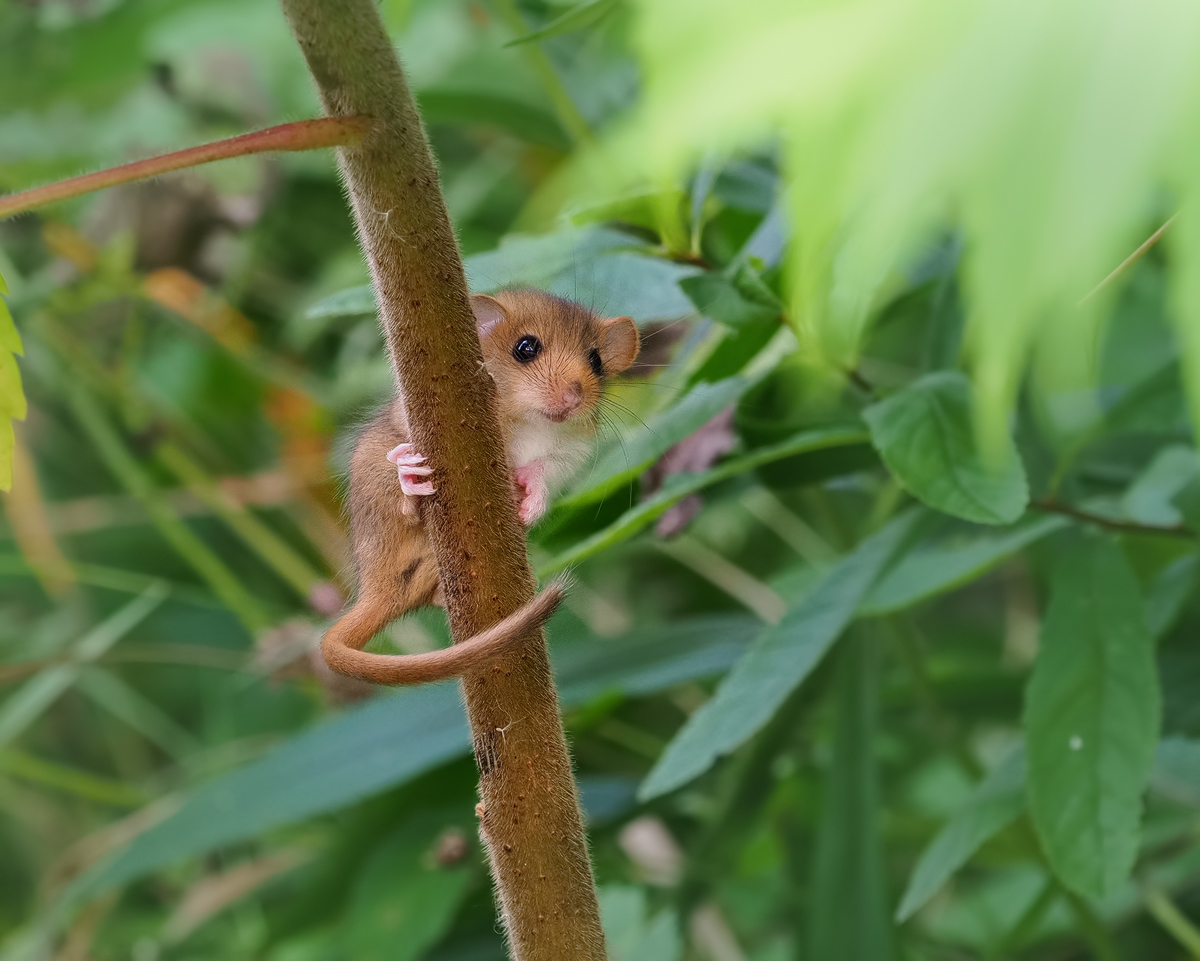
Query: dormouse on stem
{"points": [[549, 358]]}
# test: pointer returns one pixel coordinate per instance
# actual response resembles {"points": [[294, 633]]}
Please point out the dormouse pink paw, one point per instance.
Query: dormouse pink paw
{"points": [[531, 483], [410, 465]]}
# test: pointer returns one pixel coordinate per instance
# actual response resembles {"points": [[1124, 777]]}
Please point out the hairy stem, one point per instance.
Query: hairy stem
{"points": [[529, 815], [303, 135]]}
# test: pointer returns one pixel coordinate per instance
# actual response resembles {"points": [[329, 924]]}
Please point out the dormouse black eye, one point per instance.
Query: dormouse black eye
{"points": [[526, 349], [596, 362]]}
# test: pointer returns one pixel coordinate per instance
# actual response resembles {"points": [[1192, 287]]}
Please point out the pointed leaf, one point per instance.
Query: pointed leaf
{"points": [[993, 806], [777, 662], [395, 738], [849, 909], [1092, 713], [926, 437], [641, 516], [925, 572], [630, 457]]}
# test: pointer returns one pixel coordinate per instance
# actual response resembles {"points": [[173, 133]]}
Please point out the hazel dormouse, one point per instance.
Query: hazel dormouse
{"points": [[550, 358]]}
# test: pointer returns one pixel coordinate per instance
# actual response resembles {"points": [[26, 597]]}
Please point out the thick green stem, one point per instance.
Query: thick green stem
{"points": [[529, 816], [303, 135]]}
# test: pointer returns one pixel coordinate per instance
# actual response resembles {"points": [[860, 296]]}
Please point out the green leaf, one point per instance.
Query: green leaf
{"points": [[638, 518], [395, 738], [631, 935], [12, 395], [925, 572], [992, 806], [1092, 713], [849, 902], [611, 272], [351, 302], [777, 663], [10, 339], [404, 901], [628, 458], [1167, 594], [112, 694], [1149, 499], [1177, 770], [477, 100], [734, 298], [926, 437], [577, 18], [31, 699], [7, 442]]}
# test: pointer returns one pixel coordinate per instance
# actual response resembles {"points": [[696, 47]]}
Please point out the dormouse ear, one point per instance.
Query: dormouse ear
{"points": [[619, 344], [488, 313]]}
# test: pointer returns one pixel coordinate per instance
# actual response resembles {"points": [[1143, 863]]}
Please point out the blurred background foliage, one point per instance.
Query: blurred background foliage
{"points": [[890, 399]]}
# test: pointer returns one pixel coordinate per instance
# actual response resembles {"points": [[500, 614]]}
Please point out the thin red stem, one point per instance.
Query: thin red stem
{"points": [[302, 135]]}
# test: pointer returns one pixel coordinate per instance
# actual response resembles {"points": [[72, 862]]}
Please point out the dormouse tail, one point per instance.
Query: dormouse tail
{"points": [[341, 646]]}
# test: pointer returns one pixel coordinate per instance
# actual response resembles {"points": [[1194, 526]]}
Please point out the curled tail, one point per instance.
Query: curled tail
{"points": [[343, 643]]}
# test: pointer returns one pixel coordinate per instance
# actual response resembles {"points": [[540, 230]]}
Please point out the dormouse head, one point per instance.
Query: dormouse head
{"points": [[550, 356]]}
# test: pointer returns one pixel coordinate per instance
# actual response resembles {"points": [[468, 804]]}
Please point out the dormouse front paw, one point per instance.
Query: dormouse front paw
{"points": [[531, 485], [410, 465]]}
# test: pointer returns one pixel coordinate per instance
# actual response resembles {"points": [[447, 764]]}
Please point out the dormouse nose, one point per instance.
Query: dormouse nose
{"points": [[572, 395]]}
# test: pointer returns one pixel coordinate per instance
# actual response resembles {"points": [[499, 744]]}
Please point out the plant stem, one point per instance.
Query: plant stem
{"points": [[529, 816], [302, 135], [1129, 261], [1051, 506], [1092, 928], [1166, 913]]}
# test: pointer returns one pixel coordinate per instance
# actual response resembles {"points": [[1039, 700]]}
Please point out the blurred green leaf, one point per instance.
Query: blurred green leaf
{"points": [[577, 18], [476, 100], [1170, 590], [404, 901], [32, 698], [849, 907], [1149, 499], [71, 780], [1176, 773], [629, 457], [638, 518], [993, 805], [735, 298], [353, 755], [351, 302], [610, 272], [777, 663], [926, 437], [12, 396], [121, 700], [397, 737], [927, 571], [897, 119], [1092, 714], [631, 935]]}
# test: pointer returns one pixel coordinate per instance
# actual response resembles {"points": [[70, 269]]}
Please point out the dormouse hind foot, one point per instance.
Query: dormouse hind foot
{"points": [[410, 466]]}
